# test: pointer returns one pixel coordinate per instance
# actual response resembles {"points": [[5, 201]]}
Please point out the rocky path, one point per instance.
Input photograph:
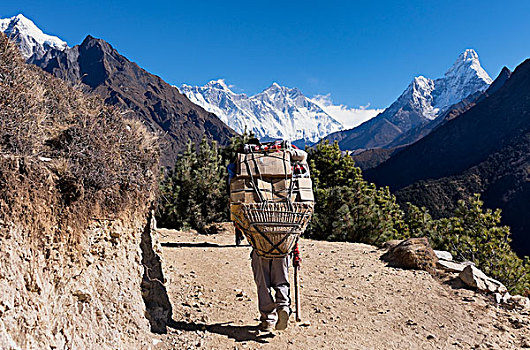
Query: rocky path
{"points": [[350, 299]]}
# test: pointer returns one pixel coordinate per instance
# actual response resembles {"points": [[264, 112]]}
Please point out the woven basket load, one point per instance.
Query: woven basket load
{"points": [[271, 201], [273, 229]]}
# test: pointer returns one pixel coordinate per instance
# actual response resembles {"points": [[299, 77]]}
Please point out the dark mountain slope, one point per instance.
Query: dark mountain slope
{"points": [[484, 150], [371, 158], [97, 67], [502, 179]]}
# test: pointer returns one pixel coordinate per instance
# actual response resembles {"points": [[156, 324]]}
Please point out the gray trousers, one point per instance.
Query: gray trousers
{"points": [[271, 274]]}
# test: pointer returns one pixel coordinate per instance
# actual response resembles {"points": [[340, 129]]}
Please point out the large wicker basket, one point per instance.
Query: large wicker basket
{"points": [[273, 229]]}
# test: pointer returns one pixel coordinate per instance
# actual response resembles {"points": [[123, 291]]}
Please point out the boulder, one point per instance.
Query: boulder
{"points": [[517, 302], [413, 253], [443, 255], [498, 298], [392, 243], [475, 278]]}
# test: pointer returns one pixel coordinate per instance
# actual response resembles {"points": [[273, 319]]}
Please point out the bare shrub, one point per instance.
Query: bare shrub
{"points": [[62, 148]]}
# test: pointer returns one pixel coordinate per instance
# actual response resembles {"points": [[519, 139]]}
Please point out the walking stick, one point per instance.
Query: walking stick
{"points": [[296, 264]]}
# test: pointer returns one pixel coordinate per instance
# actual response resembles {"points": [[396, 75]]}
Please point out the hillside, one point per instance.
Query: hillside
{"points": [[77, 265], [484, 150], [97, 67], [351, 299]]}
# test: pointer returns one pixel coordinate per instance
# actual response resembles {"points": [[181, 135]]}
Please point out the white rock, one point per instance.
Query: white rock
{"points": [[506, 297], [450, 265], [443, 255], [517, 302], [498, 298], [475, 278]]}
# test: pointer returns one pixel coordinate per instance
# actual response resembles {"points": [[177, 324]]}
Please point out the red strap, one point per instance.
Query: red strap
{"points": [[296, 256]]}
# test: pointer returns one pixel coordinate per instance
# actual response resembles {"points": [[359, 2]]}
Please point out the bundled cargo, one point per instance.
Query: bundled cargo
{"points": [[268, 165], [271, 197]]}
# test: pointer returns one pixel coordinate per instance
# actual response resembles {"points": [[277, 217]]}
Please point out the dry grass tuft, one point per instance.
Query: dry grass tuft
{"points": [[65, 157]]}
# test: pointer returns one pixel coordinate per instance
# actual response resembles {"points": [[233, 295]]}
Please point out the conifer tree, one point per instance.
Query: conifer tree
{"points": [[347, 207], [194, 193], [475, 234]]}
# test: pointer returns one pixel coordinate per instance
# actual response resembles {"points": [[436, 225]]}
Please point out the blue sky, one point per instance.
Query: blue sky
{"points": [[358, 51]]}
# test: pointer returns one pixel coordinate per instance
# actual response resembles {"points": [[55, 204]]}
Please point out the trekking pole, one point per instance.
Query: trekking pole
{"points": [[296, 264]]}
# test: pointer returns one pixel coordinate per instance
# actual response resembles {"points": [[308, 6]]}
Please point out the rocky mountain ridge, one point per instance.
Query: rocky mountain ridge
{"points": [[96, 67], [373, 157], [483, 150], [30, 39]]}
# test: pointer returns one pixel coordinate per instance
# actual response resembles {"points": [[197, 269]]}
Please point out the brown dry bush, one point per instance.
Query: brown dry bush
{"points": [[66, 157]]}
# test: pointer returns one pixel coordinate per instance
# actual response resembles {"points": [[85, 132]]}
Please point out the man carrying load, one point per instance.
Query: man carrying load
{"points": [[271, 202]]}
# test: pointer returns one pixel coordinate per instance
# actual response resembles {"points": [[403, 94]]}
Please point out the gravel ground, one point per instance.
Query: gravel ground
{"points": [[350, 300]]}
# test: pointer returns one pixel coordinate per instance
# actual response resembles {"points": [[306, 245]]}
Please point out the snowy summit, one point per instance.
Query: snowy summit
{"points": [[277, 112], [31, 40], [422, 102], [433, 97]]}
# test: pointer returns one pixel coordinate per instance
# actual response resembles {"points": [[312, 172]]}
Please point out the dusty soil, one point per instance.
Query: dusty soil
{"points": [[350, 298]]}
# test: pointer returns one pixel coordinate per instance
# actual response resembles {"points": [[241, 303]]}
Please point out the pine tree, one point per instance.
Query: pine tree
{"points": [[194, 193], [347, 207], [475, 234]]}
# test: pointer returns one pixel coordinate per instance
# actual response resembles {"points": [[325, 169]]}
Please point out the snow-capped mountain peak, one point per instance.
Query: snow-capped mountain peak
{"points": [[424, 100], [275, 89], [467, 64], [421, 83], [31, 40], [276, 112], [464, 78], [218, 84], [431, 97]]}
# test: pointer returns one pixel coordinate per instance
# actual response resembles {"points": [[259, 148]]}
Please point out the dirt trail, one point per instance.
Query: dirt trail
{"points": [[352, 300]]}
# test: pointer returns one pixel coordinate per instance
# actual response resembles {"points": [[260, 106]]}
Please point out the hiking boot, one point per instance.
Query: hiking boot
{"points": [[265, 326], [283, 319]]}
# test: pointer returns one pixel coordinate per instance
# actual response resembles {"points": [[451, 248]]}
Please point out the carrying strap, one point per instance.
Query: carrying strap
{"points": [[253, 183]]}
